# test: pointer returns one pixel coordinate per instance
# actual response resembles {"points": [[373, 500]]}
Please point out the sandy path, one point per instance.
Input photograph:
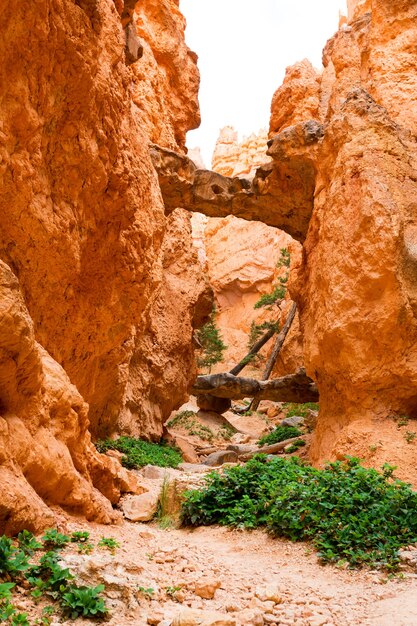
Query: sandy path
{"points": [[312, 595]]}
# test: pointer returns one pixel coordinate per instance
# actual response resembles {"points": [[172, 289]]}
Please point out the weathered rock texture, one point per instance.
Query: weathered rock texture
{"points": [[356, 285], [232, 157], [111, 287]]}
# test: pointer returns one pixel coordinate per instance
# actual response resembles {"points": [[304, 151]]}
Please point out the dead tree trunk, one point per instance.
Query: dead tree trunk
{"points": [[275, 352], [292, 388], [254, 350]]}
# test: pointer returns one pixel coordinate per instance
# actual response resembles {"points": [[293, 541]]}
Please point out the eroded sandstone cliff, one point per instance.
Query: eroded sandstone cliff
{"points": [[92, 269], [356, 284]]}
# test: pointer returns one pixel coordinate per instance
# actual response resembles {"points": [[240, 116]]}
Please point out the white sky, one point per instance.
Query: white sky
{"points": [[244, 47]]}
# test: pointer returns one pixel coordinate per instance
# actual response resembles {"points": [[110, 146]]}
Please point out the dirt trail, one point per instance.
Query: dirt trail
{"points": [[243, 562]]}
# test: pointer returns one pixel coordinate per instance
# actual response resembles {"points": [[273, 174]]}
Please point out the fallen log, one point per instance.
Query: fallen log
{"points": [[271, 449], [296, 387], [254, 350]]}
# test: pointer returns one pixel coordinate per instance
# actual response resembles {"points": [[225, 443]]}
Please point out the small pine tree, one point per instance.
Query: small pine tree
{"points": [[278, 293], [211, 343]]}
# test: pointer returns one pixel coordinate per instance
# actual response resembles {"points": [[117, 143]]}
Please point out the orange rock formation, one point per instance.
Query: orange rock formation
{"points": [[356, 286], [100, 289]]}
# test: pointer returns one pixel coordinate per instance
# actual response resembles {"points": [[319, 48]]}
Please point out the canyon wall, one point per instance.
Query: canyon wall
{"points": [[101, 291], [356, 283]]}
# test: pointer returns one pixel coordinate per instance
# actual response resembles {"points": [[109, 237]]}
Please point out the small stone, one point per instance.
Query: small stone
{"points": [[206, 588], [271, 592], [240, 438], [251, 617], [221, 456], [155, 618], [295, 420]]}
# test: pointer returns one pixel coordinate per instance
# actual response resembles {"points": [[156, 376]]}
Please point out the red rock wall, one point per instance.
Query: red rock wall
{"points": [[90, 259], [356, 285]]}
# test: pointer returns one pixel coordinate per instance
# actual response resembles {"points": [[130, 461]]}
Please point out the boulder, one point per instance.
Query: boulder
{"points": [[221, 457], [206, 588], [141, 508], [295, 420]]}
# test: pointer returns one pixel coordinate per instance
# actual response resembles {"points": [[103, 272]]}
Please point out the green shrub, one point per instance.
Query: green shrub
{"points": [[109, 543], [278, 293], [12, 560], [138, 453], [85, 601], [54, 539], [351, 514], [28, 542], [280, 433]]}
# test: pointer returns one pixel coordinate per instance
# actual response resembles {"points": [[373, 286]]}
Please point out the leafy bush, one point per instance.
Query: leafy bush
{"points": [[45, 577], [138, 453], [351, 513], [280, 433], [53, 539], [85, 601], [12, 560], [28, 542], [109, 543]]}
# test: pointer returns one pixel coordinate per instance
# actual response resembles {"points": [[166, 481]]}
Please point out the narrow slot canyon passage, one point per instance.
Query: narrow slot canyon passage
{"points": [[208, 313]]}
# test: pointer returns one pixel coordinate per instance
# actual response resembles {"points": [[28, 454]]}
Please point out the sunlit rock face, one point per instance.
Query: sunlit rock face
{"points": [[92, 269], [356, 285]]}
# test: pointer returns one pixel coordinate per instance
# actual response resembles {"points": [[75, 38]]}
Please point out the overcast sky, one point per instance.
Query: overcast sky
{"points": [[244, 47]]}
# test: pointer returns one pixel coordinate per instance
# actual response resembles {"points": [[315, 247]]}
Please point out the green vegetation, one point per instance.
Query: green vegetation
{"points": [[409, 436], [285, 259], [80, 536], [212, 346], [280, 433], [257, 330], [279, 290], [352, 514], [109, 543], [53, 539], [188, 421], [291, 408], [45, 577], [147, 591], [300, 443], [172, 590], [268, 299], [138, 453], [226, 432], [83, 601]]}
